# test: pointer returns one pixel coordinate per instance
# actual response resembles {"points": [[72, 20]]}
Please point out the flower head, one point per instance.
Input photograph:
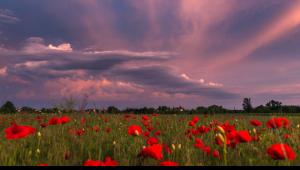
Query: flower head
{"points": [[134, 130], [168, 163], [154, 151], [281, 151], [17, 131]]}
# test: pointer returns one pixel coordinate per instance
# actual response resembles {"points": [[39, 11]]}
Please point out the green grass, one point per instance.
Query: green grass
{"points": [[55, 141]]}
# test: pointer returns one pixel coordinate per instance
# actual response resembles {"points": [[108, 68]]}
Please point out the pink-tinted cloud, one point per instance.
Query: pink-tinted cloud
{"points": [[36, 45], [3, 71], [156, 51], [283, 24]]}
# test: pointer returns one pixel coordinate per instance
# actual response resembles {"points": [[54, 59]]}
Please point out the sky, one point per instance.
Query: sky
{"points": [[135, 53]]}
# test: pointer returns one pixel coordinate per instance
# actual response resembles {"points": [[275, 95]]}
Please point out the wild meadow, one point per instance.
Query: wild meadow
{"points": [[90, 139]]}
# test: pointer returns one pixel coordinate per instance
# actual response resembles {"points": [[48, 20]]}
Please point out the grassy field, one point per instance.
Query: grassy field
{"points": [[91, 136]]}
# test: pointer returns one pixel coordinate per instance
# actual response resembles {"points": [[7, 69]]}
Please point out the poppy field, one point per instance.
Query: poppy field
{"points": [[142, 140]]}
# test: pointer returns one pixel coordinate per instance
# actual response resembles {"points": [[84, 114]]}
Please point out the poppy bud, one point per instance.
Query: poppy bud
{"points": [[114, 142], [179, 146], [39, 134], [136, 132], [254, 130], [221, 129], [220, 137], [38, 151], [173, 146]]}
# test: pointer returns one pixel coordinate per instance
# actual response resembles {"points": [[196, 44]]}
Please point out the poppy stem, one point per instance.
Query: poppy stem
{"points": [[225, 151]]}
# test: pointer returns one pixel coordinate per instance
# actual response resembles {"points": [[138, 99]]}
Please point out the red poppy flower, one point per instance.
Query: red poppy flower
{"points": [[96, 128], [278, 122], [54, 121], [90, 162], [108, 129], [146, 124], [228, 127], [167, 149], [233, 138], [67, 155], [195, 132], [243, 136], [65, 119], [255, 122], [145, 118], [80, 132], [191, 123], [157, 133], [199, 143], [154, 151], [134, 130], [168, 163], [83, 120], [150, 128], [216, 154], [152, 141], [42, 164], [126, 116], [285, 122], [206, 149], [281, 151], [203, 129], [146, 134], [255, 138], [77, 132], [195, 119], [274, 123], [43, 125], [17, 131], [39, 118], [109, 162], [286, 136]]}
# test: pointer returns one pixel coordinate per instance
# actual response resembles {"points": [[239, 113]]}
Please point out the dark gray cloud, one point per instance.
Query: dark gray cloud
{"points": [[50, 66], [101, 62], [159, 77]]}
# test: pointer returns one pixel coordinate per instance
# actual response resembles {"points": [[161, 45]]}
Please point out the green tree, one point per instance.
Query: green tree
{"points": [[274, 105], [8, 107], [163, 109], [201, 109], [112, 109], [247, 106], [216, 109]]}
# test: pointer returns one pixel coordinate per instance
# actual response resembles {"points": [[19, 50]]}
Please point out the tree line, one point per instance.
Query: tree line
{"points": [[271, 107]]}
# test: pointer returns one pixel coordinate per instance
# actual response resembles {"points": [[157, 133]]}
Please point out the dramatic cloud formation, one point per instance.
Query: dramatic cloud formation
{"points": [[134, 53]]}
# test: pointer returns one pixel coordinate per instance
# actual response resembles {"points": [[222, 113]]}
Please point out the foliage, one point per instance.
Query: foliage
{"points": [[8, 107], [247, 106], [55, 145]]}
